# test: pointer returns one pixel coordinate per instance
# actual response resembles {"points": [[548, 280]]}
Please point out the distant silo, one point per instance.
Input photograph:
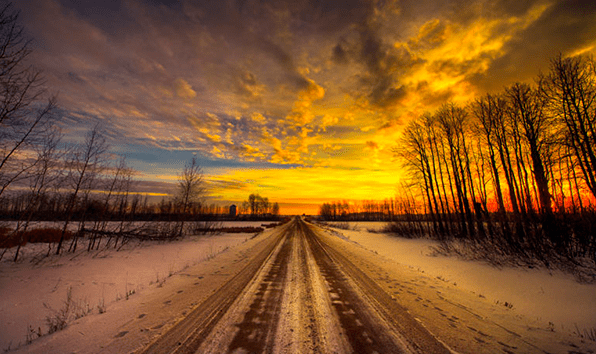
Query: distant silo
{"points": [[233, 210]]}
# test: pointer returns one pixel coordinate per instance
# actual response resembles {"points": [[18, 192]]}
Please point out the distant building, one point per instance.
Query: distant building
{"points": [[233, 210]]}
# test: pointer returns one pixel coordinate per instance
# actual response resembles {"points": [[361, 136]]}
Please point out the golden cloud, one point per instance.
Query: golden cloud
{"points": [[258, 118], [301, 112], [183, 89]]}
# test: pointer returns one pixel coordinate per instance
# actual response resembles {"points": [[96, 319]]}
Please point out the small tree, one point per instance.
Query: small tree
{"points": [[190, 190], [275, 209], [42, 177], [84, 164]]}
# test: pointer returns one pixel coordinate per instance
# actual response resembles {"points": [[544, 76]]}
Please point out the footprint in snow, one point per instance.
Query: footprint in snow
{"points": [[121, 334]]}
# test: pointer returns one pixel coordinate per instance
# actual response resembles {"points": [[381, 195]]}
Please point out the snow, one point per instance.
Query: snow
{"points": [[552, 298], [157, 277], [97, 279]]}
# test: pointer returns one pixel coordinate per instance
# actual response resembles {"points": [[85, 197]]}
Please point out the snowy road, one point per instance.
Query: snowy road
{"points": [[299, 295], [297, 288]]}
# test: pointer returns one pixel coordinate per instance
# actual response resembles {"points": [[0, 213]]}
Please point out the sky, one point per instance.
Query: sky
{"points": [[300, 101]]}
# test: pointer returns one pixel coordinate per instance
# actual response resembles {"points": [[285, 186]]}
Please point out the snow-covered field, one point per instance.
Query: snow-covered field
{"points": [[552, 298], [33, 287], [148, 272]]}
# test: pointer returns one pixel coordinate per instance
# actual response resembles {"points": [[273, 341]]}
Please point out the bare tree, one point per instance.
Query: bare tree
{"points": [[527, 108], [275, 209], [453, 122], [190, 190], [84, 164], [489, 110], [414, 151], [23, 119], [43, 176], [115, 188], [571, 90], [124, 189]]}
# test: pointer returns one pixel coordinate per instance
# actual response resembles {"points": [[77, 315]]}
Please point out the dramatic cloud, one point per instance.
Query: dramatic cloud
{"points": [[305, 86]]}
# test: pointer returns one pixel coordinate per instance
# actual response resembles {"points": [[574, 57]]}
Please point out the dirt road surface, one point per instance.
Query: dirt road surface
{"points": [[305, 291], [298, 295]]}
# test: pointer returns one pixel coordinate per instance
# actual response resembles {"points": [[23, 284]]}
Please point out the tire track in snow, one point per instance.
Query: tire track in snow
{"points": [[257, 331], [373, 322], [188, 334], [301, 296]]}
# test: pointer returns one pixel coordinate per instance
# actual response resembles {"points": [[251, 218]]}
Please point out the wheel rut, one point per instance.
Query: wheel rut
{"points": [[257, 330], [365, 330], [298, 295]]}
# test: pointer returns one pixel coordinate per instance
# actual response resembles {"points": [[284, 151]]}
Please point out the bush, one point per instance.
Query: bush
{"points": [[403, 229], [44, 235], [344, 225], [4, 231]]}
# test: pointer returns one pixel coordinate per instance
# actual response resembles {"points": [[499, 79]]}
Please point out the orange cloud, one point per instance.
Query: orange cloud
{"points": [[183, 89], [301, 112]]}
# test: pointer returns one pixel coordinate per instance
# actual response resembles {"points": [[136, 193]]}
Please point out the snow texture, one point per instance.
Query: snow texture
{"points": [[142, 288], [552, 298], [97, 279]]}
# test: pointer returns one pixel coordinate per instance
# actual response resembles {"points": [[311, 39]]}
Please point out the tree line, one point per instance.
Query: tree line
{"points": [[259, 207], [390, 209], [82, 185], [515, 169]]}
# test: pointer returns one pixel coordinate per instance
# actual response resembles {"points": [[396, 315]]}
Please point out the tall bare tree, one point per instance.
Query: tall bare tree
{"points": [[43, 176], [453, 122], [85, 163], [23, 116], [415, 151], [115, 188], [570, 87], [527, 109], [489, 110]]}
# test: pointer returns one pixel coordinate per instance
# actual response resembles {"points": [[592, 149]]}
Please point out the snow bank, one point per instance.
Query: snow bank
{"points": [[96, 279], [551, 297]]}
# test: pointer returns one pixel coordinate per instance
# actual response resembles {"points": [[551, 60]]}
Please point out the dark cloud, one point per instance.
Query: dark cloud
{"points": [[500, 8], [221, 75], [303, 16], [384, 93], [339, 54], [248, 86], [215, 184], [565, 27], [335, 16], [384, 64], [372, 145], [372, 52], [153, 187], [285, 60]]}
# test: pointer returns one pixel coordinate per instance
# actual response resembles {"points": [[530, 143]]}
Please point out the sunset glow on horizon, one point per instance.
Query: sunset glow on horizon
{"points": [[299, 101]]}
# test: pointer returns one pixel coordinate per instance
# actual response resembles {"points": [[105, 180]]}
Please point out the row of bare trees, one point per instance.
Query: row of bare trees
{"points": [[45, 178], [78, 182], [390, 209], [517, 168], [259, 207], [92, 196]]}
